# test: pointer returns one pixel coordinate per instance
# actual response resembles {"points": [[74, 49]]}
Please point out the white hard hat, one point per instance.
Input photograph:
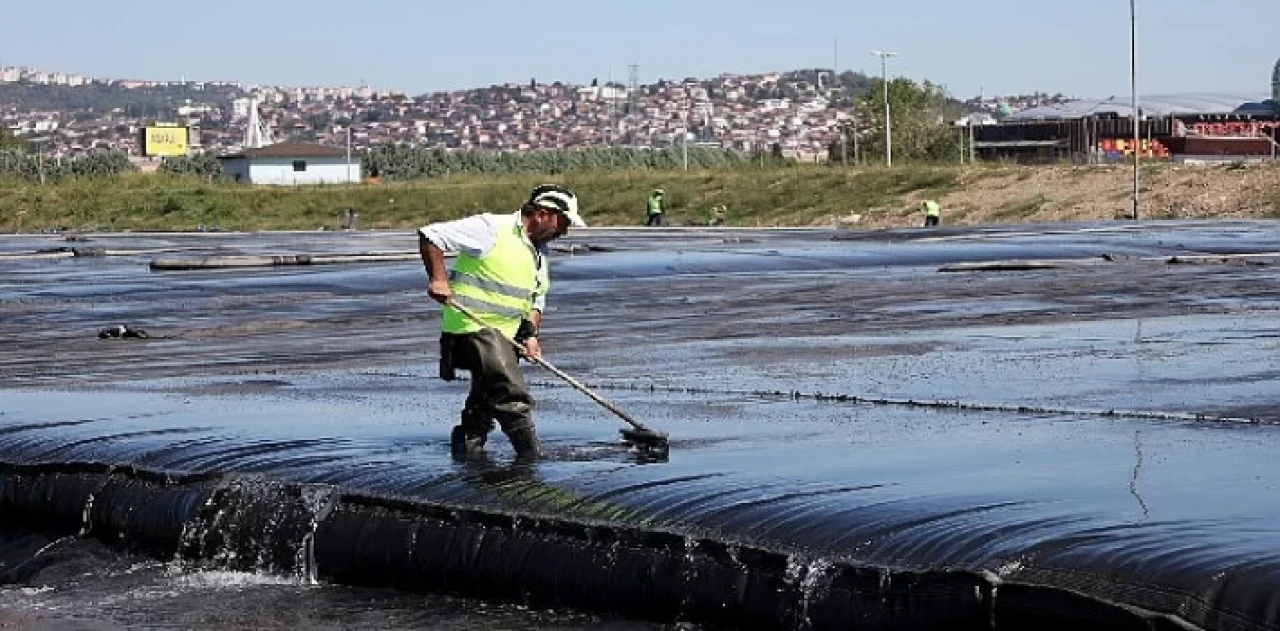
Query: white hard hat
{"points": [[557, 198]]}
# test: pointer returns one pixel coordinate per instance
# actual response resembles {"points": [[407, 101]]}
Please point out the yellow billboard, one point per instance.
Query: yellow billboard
{"points": [[164, 141]]}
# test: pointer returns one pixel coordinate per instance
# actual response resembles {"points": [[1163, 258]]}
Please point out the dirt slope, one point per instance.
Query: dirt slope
{"points": [[1012, 194]]}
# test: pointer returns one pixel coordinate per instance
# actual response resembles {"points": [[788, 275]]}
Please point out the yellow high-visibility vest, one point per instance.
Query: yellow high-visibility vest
{"points": [[498, 287]]}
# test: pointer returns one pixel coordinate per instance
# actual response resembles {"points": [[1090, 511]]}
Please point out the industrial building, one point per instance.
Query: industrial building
{"points": [[291, 164], [1179, 127], [262, 160]]}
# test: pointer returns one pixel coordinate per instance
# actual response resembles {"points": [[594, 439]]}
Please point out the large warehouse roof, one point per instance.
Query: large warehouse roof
{"points": [[1156, 105]]}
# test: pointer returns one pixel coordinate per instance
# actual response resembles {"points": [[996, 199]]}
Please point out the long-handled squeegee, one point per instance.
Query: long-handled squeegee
{"points": [[641, 437]]}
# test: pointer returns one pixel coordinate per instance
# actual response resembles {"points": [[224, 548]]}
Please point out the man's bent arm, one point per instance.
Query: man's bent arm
{"points": [[437, 275]]}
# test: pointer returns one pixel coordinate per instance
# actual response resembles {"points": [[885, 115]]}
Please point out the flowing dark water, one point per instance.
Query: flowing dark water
{"points": [[857, 436]]}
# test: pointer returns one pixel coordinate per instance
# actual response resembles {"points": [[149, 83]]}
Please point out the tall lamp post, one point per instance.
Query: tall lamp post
{"points": [[884, 78], [1133, 86], [349, 180], [684, 146]]}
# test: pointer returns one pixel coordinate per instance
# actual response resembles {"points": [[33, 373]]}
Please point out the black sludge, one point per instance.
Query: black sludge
{"points": [[1025, 427]]}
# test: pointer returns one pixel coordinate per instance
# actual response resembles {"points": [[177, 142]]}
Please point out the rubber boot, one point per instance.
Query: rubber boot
{"points": [[469, 437], [463, 445], [525, 442]]}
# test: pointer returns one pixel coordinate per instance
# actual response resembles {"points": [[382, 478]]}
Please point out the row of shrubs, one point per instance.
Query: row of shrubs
{"points": [[403, 162]]}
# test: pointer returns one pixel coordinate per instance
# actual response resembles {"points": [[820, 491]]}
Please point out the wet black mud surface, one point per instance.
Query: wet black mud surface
{"points": [[1105, 419]]}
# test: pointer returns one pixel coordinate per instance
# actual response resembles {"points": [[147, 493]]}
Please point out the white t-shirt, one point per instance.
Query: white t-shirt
{"points": [[475, 236]]}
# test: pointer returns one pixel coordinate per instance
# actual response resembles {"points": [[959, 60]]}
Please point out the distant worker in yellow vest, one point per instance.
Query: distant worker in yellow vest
{"points": [[932, 212], [654, 208], [500, 275], [719, 214]]}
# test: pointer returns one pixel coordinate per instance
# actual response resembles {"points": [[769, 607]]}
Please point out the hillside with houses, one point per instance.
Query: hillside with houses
{"points": [[798, 113]]}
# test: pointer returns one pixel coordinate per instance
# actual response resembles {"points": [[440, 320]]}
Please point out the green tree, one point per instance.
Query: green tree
{"points": [[36, 168], [407, 162], [9, 142], [149, 102], [204, 165], [921, 116]]}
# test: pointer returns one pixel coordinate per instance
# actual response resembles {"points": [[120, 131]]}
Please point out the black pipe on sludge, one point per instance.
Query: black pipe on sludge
{"points": [[319, 532]]}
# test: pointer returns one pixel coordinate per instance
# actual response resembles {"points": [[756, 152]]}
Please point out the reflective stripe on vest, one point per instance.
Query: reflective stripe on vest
{"points": [[499, 286]]}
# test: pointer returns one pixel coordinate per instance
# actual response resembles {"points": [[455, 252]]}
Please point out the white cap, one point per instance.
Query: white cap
{"points": [[557, 198]]}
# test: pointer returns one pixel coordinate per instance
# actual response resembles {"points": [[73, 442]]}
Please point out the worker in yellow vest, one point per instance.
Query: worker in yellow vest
{"points": [[719, 213], [932, 212], [500, 275], [653, 209]]}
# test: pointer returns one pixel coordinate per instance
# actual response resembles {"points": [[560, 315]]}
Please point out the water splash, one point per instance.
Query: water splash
{"points": [[252, 524], [814, 586]]}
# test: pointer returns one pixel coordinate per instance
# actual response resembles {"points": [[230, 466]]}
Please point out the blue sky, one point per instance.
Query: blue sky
{"points": [[1077, 47]]}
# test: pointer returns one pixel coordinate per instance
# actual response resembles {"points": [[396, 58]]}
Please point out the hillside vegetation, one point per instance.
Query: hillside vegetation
{"points": [[807, 195]]}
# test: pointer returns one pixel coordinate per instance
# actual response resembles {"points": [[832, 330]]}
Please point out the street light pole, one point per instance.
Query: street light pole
{"points": [[973, 151], [1133, 86], [854, 131], [884, 78], [844, 146], [349, 154], [684, 147]]}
